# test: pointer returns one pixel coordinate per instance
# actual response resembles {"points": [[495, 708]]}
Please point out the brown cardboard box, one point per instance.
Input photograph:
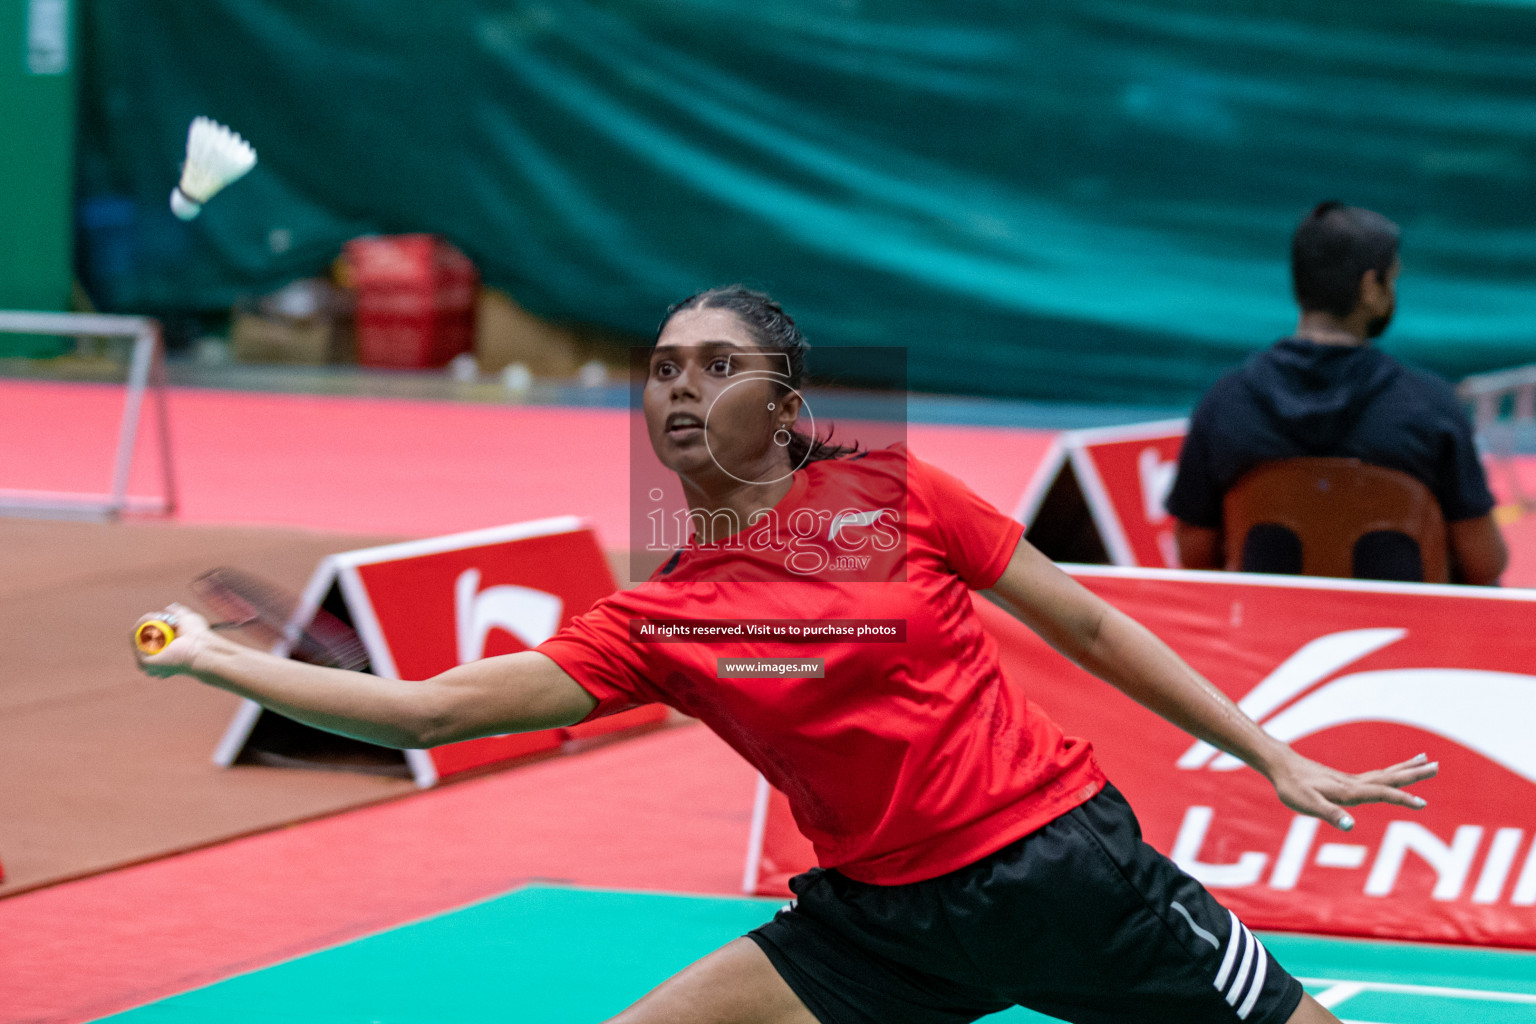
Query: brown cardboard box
{"points": [[311, 340], [507, 333], [307, 321]]}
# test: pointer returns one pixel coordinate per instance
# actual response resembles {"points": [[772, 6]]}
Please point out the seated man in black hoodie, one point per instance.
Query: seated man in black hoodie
{"points": [[1326, 391]]}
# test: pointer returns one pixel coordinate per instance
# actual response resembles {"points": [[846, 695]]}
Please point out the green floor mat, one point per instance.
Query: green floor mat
{"points": [[573, 956]]}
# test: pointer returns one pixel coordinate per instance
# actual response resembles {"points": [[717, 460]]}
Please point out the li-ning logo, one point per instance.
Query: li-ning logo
{"points": [[843, 519], [1156, 475], [1488, 712], [530, 615], [1480, 710]]}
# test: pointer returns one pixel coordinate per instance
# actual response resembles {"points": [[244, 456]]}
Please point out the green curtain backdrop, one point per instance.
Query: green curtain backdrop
{"points": [[37, 139], [1061, 198]]}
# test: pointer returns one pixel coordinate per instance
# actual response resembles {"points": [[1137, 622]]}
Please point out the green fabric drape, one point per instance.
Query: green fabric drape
{"points": [[1064, 198], [37, 138]]}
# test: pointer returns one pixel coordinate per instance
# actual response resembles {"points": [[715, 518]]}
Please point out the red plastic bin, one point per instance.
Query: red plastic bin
{"points": [[415, 300]]}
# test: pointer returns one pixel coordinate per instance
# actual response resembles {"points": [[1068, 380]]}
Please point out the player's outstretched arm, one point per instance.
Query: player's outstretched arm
{"points": [[1125, 654], [510, 693]]}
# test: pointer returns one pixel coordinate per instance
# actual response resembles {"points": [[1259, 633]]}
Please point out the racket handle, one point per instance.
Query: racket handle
{"points": [[153, 636]]}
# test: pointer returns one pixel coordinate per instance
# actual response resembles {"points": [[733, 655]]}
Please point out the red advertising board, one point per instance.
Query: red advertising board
{"points": [[1357, 675], [423, 607], [1124, 475]]}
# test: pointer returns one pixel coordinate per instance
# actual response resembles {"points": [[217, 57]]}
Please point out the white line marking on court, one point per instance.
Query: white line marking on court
{"points": [[1336, 994], [1356, 987]]}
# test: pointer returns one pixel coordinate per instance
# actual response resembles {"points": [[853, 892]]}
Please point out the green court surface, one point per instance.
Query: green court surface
{"points": [[557, 955]]}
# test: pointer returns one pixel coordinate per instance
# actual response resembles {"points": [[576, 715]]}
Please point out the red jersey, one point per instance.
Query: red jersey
{"points": [[909, 758]]}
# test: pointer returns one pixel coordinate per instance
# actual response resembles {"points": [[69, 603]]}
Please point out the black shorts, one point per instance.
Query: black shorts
{"points": [[1080, 920]]}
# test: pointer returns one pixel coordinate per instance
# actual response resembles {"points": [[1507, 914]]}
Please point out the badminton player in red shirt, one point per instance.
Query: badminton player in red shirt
{"points": [[972, 857]]}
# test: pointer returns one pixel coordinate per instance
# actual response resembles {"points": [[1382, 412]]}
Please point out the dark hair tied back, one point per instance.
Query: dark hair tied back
{"points": [[774, 330]]}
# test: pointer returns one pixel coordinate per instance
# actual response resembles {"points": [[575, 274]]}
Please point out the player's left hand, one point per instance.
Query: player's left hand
{"points": [[1307, 787]]}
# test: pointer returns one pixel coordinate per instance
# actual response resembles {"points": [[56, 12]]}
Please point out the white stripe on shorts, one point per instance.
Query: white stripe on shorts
{"points": [[1255, 957], [1258, 982], [1242, 972], [1234, 932], [1234, 940]]}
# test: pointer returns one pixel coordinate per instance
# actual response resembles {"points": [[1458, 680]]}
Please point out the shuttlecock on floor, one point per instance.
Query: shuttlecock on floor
{"points": [[463, 368], [216, 157], [516, 377]]}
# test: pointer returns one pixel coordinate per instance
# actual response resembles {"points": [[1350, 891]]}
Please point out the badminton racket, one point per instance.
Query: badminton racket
{"points": [[264, 612]]}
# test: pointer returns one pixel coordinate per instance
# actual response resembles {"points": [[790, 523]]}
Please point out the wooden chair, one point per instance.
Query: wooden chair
{"points": [[1335, 517]]}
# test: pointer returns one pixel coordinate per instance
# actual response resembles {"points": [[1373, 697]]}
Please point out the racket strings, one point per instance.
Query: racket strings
{"points": [[246, 602]]}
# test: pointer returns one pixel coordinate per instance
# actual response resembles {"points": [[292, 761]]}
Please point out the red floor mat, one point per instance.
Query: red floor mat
{"points": [[393, 466]]}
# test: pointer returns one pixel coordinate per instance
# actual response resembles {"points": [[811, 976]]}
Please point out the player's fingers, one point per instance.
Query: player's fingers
{"points": [[1400, 775], [161, 640], [1375, 793], [1312, 800], [152, 617], [1418, 763], [189, 619], [1334, 815], [153, 632], [152, 641]]}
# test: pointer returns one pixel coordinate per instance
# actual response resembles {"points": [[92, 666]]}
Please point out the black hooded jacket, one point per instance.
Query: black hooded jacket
{"points": [[1297, 398]]}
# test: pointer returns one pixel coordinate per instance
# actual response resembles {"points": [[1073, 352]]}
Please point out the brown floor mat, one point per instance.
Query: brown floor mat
{"points": [[99, 765]]}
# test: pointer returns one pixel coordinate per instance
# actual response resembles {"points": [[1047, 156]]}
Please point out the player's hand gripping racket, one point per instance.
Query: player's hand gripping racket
{"points": [[264, 611]]}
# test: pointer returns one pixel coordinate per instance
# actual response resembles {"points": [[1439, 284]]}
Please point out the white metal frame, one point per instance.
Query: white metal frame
{"points": [[1040, 482], [146, 373], [1487, 392], [756, 835], [1277, 580]]}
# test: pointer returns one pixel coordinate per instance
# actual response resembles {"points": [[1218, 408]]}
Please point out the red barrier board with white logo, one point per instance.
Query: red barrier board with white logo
{"points": [[1353, 674], [423, 607], [1124, 475]]}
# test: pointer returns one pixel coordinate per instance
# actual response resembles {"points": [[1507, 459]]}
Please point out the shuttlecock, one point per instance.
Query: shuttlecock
{"points": [[216, 157], [516, 377]]}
